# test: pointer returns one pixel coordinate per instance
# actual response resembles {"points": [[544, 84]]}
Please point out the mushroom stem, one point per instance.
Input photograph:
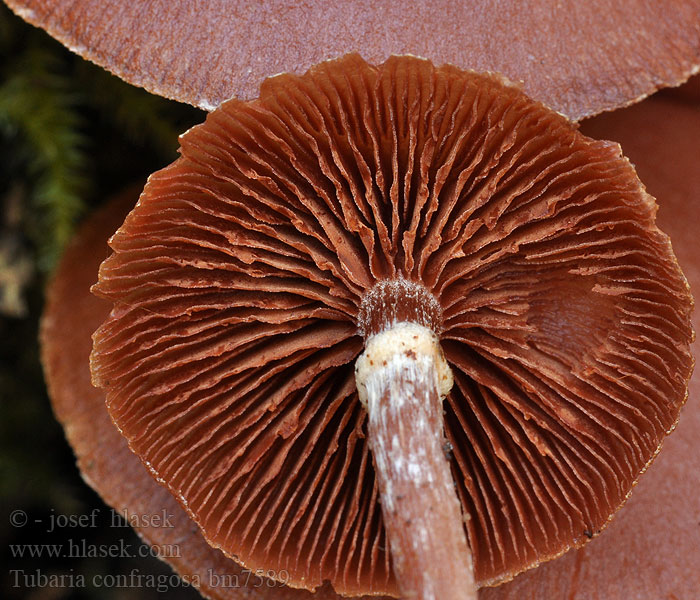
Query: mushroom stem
{"points": [[402, 378]]}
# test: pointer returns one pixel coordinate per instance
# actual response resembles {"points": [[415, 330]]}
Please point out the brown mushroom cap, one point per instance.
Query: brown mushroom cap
{"points": [[70, 316], [652, 548], [580, 58], [237, 281]]}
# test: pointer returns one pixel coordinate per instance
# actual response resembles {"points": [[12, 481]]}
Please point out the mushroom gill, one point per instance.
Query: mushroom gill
{"points": [[71, 314], [294, 227]]}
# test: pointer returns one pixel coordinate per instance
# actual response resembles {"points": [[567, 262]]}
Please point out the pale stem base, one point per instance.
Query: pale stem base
{"points": [[400, 377]]}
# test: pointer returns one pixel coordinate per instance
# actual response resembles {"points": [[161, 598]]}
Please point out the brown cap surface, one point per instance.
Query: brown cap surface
{"points": [[237, 279], [578, 57]]}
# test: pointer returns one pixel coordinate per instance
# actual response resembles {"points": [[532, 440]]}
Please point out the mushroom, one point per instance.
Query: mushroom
{"points": [[580, 58], [648, 131], [664, 506], [355, 205]]}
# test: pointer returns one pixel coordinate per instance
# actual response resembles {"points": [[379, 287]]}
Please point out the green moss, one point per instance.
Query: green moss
{"points": [[60, 116], [71, 136]]}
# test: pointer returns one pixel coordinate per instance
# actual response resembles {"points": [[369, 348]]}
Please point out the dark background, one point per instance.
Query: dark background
{"points": [[71, 135]]}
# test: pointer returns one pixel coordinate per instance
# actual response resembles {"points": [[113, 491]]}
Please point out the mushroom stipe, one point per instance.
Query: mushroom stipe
{"points": [[529, 251]]}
